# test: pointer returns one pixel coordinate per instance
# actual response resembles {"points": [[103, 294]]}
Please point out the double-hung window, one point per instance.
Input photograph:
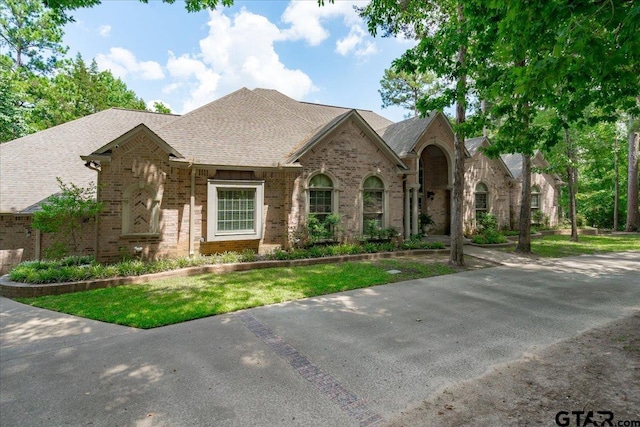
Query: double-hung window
{"points": [[234, 210], [321, 196], [481, 200], [535, 198], [373, 202]]}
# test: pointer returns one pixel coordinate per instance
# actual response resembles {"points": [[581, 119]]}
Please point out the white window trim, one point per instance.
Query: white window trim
{"points": [[213, 235]]}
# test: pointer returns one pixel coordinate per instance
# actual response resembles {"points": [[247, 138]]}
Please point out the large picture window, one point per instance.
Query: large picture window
{"points": [[234, 210], [373, 202], [321, 196]]}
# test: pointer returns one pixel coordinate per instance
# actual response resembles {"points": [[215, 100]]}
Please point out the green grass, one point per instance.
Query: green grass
{"points": [[560, 246], [174, 300]]}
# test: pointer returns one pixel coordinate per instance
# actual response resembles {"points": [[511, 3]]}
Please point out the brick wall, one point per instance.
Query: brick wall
{"points": [[137, 162], [480, 168], [15, 244], [18, 240], [348, 155], [549, 194], [436, 154]]}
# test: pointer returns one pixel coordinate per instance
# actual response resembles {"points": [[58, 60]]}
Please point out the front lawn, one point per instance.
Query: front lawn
{"points": [[560, 246], [175, 300]]}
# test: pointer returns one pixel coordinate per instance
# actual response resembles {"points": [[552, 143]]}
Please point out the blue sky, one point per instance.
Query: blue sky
{"points": [[311, 53]]}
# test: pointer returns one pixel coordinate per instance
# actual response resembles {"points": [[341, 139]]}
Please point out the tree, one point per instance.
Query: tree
{"points": [[191, 5], [159, 107], [32, 34], [65, 213], [78, 90], [560, 56], [12, 121], [633, 210], [452, 43], [404, 89]]}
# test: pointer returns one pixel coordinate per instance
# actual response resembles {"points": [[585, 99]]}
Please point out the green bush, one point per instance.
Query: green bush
{"points": [[248, 255], [84, 267]]}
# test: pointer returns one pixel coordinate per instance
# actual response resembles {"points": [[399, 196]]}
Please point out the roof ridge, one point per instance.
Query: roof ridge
{"points": [[140, 111], [244, 88], [284, 107], [337, 106]]}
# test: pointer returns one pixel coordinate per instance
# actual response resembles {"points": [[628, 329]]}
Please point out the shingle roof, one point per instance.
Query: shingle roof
{"points": [[320, 114], [473, 144], [29, 165], [402, 136], [254, 128], [514, 163], [259, 128]]}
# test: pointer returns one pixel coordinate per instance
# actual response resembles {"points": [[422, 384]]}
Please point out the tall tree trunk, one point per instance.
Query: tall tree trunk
{"points": [[524, 237], [456, 256], [616, 196], [633, 211], [571, 184]]}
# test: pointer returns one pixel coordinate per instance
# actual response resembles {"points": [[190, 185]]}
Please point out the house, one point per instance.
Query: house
{"points": [[244, 172]]}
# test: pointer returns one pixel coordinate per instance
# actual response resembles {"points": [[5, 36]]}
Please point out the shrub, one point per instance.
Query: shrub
{"points": [[64, 213], [248, 255]]}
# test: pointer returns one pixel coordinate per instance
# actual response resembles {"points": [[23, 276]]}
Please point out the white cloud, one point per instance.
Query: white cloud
{"points": [[238, 51], [104, 30], [306, 19], [172, 87], [356, 42], [153, 101], [123, 63], [202, 80]]}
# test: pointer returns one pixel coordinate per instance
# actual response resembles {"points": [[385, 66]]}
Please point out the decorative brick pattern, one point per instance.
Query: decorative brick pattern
{"points": [[347, 401]]}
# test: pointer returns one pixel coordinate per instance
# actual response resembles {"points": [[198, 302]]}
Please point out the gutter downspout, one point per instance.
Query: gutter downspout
{"points": [[192, 205], [96, 231], [38, 245]]}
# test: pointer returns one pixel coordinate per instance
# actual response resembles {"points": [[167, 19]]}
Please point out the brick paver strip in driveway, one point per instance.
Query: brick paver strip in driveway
{"points": [[348, 402]]}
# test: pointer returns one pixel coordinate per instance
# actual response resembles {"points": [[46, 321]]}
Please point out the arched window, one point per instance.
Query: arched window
{"points": [[535, 198], [482, 200], [321, 196], [373, 202]]}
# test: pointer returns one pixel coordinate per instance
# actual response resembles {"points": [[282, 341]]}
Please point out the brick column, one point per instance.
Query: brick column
{"points": [[407, 213], [414, 210]]}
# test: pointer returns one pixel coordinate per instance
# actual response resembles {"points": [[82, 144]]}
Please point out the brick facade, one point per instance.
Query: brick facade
{"points": [[18, 240], [349, 157], [481, 169], [147, 196]]}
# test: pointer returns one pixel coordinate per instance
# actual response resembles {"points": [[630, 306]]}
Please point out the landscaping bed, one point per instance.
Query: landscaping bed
{"points": [[171, 300], [75, 269]]}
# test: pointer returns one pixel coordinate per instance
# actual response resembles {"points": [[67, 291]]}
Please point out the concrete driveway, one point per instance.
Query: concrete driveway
{"points": [[355, 358]]}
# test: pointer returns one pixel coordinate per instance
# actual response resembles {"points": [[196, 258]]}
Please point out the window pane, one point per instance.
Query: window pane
{"points": [[535, 201], [236, 210], [481, 188], [320, 201], [321, 181], [372, 201], [481, 200], [373, 182]]}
